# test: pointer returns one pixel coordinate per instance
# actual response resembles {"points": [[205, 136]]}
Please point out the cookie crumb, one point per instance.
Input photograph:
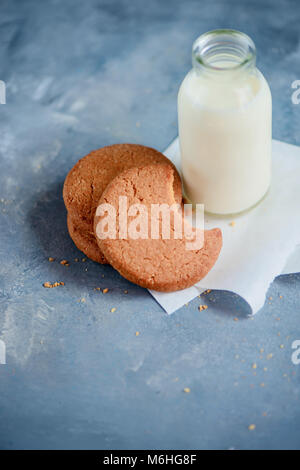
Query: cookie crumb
{"points": [[251, 427], [186, 390], [51, 259], [125, 291], [48, 285], [97, 288], [207, 291], [202, 307], [269, 356], [105, 290], [76, 260], [232, 224], [83, 260], [235, 319], [280, 297], [254, 366], [64, 262], [137, 333], [113, 310]]}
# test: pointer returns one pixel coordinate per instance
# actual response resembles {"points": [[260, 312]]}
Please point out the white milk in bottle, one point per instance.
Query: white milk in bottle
{"points": [[225, 125]]}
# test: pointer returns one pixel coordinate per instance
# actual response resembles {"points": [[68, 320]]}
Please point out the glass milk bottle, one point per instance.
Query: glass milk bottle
{"points": [[225, 124]]}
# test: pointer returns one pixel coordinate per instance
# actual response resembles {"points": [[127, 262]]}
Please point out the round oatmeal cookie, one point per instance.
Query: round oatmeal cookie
{"points": [[87, 180], [142, 255], [85, 241]]}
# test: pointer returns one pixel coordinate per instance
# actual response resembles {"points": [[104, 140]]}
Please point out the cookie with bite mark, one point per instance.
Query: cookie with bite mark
{"points": [[160, 264]]}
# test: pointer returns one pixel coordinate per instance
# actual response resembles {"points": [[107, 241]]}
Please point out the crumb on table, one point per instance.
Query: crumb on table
{"points": [[48, 285], [202, 307], [207, 291], [64, 262]]}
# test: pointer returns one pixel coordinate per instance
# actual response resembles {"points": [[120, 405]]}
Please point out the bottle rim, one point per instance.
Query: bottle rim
{"points": [[223, 43]]}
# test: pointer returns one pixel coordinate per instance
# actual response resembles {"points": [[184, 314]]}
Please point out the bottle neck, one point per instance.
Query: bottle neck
{"points": [[223, 54]]}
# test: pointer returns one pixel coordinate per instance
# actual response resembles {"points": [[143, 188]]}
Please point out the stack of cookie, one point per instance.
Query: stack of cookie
{"points": [[141, 174]]}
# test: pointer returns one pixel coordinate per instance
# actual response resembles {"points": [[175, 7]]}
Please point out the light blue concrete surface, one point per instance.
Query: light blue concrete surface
{"points": [[81, 75]]}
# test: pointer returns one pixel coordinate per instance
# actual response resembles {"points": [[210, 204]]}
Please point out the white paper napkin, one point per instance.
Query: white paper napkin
{"points": [[260, 245]]}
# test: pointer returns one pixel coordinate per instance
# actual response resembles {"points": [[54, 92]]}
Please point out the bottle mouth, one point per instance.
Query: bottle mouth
{"points": [[223, 50]]}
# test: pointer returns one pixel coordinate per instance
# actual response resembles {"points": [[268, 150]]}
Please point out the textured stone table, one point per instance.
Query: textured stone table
{"points": [[81, 75]]}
